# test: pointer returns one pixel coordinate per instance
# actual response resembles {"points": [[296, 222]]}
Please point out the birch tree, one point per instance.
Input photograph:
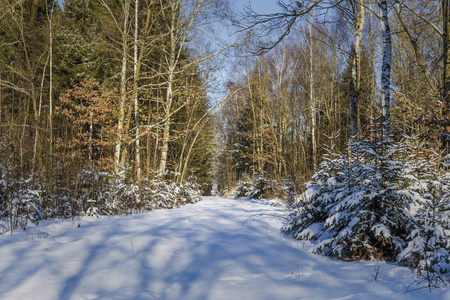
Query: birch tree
{"points": [[141, 48], [357, 13], [383, 16], [386, 63], [312, 98], [135, 92], [184, 19], [123, 85]]}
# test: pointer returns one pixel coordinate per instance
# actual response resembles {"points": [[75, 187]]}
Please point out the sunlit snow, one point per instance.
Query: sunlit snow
{"points": [[215, 249]]}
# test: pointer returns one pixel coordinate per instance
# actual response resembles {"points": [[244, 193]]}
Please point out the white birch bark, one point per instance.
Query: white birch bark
{"points": [[386, 64], [355, 81], [166, 126], [172, 62], [121, 119], [312, 97], [91, 133], [136, 99], [372, 65]]}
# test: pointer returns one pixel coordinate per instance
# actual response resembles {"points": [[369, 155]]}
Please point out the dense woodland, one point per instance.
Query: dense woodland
{"points": [[320, 72], [104, 109], [101, 100], [347, 102]]}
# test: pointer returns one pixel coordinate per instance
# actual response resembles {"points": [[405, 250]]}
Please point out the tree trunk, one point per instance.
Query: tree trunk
{"points": [[386, 64], [166, 128], [136, 99], [312, 99], [121, 120], [172, 62], [188, 155], [37, 122], [91, 133], [183, 161], [355, 81], [446, 41], [1, 99], [50, 117], [353, 93]]}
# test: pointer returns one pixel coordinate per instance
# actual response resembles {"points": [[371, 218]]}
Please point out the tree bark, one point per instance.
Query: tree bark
{"points": [[37, 122], [386, 64], [446, 41], [166, 127], [312, 99], [1, 100], [355, 81], [50, 117], [172, 62], [136, 99], [373, 81], [121, 120], [353, 93]]}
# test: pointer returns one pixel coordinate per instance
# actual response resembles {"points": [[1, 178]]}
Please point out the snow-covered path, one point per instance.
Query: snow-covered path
{"points": [[216, 249]]}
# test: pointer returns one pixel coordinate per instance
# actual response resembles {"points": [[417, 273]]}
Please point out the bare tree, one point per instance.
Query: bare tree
{"points": [[279, 24], [123, 29], [185, 17], [425, 12]]}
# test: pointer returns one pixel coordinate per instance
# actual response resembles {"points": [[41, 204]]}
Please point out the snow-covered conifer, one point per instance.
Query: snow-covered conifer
{"points": [[428, 182], [356, 208], [311, 209]]}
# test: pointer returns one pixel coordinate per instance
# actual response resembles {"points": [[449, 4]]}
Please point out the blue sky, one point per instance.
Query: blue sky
{"points": [[259, 6]]}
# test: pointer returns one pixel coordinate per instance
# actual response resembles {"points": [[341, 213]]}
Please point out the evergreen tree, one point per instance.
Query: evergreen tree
{"points": [[79, 47], [243, 147], [427, 180], [356, 208]]}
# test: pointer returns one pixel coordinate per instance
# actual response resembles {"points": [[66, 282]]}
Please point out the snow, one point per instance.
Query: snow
{"points": [[217, 248]]}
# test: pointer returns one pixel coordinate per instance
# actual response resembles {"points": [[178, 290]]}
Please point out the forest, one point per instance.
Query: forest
{"points": [[102, 104], [340, 107]]}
